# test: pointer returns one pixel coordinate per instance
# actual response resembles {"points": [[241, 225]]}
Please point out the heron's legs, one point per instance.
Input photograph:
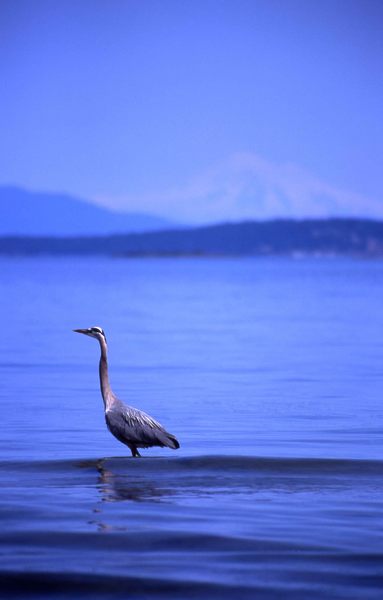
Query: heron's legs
{"points": [[134, 452]]}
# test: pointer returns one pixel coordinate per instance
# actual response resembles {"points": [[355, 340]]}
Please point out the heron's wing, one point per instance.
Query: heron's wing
{"points": [[141, 429], [138, 418]]}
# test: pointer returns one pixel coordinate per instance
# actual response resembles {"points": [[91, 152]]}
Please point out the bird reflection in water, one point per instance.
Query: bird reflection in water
{"points": [[119, 487]]}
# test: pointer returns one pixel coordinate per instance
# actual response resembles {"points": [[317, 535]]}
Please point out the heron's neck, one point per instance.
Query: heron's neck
{"points": [[106, 390]]}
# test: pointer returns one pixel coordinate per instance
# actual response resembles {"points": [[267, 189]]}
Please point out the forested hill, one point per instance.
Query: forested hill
{"points": [[276, 237]]}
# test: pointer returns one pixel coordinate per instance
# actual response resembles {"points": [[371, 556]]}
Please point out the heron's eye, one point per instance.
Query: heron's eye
{"points": [[98, 330]]}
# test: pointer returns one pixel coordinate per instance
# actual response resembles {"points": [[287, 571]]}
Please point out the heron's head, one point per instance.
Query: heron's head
{"points": [[96, 332]]}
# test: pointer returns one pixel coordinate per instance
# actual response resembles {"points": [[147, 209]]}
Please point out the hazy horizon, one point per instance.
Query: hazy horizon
{"points": [[198, 112]]}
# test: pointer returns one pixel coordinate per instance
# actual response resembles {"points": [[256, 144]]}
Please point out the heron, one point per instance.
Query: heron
{"points": [[129, 425]]}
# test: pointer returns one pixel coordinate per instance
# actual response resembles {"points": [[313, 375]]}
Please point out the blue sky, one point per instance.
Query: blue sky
{"points": [[200, 110]]}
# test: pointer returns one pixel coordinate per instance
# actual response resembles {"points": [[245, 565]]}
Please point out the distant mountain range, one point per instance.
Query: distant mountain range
{"points": [[356, 237], [44, 214]]}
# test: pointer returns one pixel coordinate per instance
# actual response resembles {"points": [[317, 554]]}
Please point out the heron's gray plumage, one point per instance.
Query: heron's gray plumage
{"points": [[129, 425]]}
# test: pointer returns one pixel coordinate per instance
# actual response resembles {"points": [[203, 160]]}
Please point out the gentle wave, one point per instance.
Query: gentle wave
{"points": [[296, 577], [221, 463], [167, 541], [78, 585], [170, 479]]}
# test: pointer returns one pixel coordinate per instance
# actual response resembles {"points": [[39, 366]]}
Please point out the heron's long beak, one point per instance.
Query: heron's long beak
{"points": [[85, 331]]}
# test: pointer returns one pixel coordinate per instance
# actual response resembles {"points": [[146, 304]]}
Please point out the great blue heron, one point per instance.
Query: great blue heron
{"points": [[129, 425]]}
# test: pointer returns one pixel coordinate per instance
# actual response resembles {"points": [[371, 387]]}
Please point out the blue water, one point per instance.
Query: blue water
{"points": [[270, 374]]}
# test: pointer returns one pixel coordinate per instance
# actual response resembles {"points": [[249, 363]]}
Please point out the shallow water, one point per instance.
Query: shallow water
{"points": [[269, 373]]}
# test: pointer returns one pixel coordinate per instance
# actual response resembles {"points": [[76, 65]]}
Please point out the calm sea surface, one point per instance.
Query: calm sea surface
{"points": [[269, 372]]}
